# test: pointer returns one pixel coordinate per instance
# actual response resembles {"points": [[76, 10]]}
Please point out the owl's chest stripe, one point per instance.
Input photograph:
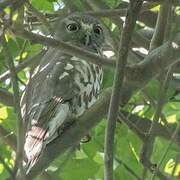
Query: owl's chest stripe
{"points": [[88, 78]]}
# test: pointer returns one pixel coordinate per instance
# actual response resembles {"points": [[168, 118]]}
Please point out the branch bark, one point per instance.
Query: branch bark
{"points": [[14, 3], [130, 22], [16, 97], [65, 47], [6, 97]]}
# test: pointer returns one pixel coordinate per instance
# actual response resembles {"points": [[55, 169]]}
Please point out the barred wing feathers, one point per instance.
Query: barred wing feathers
{"points": [[48, 94]]}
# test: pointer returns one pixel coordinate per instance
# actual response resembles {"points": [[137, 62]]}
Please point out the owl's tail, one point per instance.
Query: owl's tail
{"points": [[34, 145]]}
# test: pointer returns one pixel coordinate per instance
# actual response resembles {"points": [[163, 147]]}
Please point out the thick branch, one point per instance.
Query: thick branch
{"points": [[73, 135], [157, 40], [157, 60], [130, 22], [136, 78], [169, 50], [20, 128], [143, 125], [161, 23], [65, 47]]}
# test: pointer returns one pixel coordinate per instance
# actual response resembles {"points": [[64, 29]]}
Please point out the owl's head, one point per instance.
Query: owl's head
{"points": [[81, 30]]}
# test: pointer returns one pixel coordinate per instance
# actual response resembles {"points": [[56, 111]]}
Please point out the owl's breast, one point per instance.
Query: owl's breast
{"points": [[88, 79]]}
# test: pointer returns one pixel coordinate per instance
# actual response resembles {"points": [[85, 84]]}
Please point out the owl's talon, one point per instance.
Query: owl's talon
{"points": [[86, 139]]}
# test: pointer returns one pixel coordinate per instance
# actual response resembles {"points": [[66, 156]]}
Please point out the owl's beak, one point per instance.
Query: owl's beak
{"points": [[87, 40]]}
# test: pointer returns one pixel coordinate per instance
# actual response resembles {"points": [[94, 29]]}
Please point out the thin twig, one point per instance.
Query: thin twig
{"points": [[14, 3], [158, 36], [9, 170], [117, 12], [67, 48], [22, 50], [140, 126], [157, 40], [128, 169], [39, 16], [30, 61], [20, 129], [150, 137], [8, 138], [166, 151], [132, 14]]}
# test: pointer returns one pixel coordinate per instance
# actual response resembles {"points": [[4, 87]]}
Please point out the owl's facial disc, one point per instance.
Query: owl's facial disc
{"points": [[81, 30], [89, 32]]}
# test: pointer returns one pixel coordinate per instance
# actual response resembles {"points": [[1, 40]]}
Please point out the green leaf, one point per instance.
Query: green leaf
{"points": [[81, 169], [3, 113], [170, 166], [43, 5], [10, 122], [160, 147], [108, 78], [90, 148]]}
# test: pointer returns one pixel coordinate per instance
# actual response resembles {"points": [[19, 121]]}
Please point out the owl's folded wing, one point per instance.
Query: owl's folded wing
{"points": [[45, 103]]}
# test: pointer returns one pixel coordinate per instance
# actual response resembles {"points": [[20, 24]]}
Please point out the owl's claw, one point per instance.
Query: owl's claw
{"points": [[86, 139]]}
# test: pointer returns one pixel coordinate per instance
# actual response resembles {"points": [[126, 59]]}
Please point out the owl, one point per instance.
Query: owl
{"points": [[62, 86]]}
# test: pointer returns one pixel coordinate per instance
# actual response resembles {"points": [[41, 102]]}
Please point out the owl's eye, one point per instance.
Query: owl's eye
{"points": [[97, 29], [73, 27]]}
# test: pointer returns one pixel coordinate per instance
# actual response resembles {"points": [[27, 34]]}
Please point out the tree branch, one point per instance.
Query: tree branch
{"points": [[9, 170], [14, 3], [30, 61], [136, 78], [73, 135], [130, 22], [6, 97], [140, 126], [20, 128], [8, 138], [176, 131], [157, 40], [161, 23], [65, 47]]}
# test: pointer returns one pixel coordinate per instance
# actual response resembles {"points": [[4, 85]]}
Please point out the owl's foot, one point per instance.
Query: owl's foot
{"points": [[65, 126], [86, 138]]}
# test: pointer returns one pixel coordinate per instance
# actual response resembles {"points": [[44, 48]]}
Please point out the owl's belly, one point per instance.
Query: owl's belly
{"points": [[88, 78]]}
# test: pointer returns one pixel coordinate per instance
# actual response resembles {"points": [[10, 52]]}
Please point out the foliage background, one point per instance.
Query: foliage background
{"points": [[87, 163]]}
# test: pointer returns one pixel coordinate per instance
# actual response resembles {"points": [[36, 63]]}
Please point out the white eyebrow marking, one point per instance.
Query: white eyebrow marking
{"points": [[63, 75], [68, 66], [87, 27], [44, 67], [36, 70]]}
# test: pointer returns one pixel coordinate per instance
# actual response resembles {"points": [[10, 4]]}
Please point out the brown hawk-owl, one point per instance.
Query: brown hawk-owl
{"points": [[62, 86]]}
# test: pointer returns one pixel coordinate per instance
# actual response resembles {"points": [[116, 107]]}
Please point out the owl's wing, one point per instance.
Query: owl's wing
{"points": [[45, 102]]}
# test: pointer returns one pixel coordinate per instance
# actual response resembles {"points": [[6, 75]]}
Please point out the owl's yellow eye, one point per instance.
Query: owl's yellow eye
{"points": [[73, 27], [97, 29]]}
